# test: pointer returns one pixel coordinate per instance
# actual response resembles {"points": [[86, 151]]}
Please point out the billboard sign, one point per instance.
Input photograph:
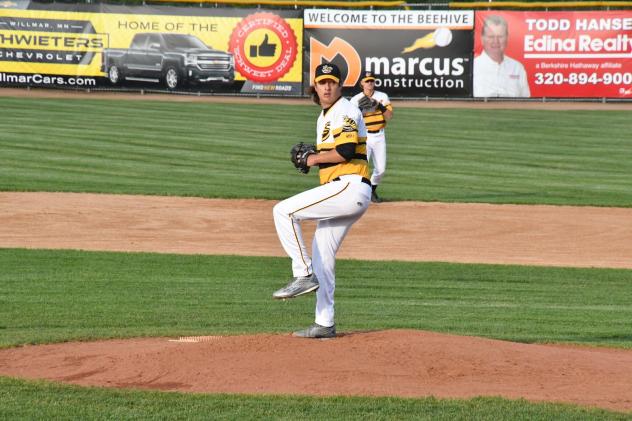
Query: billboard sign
{"points": [[562, 54], [411, 53], [163, 48]]}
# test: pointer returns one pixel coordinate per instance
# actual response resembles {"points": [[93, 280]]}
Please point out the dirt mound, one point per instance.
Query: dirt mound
{"points": [[382, 363]]}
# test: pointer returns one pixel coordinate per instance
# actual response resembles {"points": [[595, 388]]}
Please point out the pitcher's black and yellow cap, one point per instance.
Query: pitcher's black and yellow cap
{"points": [[327, 71]]}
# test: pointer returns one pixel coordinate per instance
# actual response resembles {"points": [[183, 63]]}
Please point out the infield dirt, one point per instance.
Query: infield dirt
{"points": [[403, 363]]}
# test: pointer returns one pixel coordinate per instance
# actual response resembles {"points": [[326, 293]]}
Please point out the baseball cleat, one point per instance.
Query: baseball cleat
{"points": [[297, 286], [317, 331], [375, 198]]}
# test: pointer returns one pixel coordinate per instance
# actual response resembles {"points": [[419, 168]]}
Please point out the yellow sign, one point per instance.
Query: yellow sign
{"points": [[75, 43]]}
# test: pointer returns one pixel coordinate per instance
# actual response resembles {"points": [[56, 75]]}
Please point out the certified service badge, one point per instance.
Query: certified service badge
{"points": [[264, 47]]}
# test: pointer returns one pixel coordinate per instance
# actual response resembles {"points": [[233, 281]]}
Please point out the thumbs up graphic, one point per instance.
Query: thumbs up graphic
{"points": [[265, 49]]}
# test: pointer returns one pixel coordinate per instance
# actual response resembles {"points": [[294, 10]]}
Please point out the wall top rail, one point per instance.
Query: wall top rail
{"points": [[537, 4], [404, 4], [295, 3]]}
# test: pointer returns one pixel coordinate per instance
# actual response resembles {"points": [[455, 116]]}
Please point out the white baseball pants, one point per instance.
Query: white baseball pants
{"points": [[336, 206], [376, 154]]}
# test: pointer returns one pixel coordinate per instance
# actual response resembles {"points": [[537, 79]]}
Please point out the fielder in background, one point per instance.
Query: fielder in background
{"points": [[376, 110], [342, 197]]}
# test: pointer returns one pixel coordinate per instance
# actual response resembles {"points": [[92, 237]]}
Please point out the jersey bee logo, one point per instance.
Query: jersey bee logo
{"points": [[349, 125], [326, 131]]}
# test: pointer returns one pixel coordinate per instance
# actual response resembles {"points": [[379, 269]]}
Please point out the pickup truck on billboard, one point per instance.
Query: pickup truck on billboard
{"points": [[172, 59]]}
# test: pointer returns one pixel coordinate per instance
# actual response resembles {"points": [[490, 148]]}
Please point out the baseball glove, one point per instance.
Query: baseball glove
{"points": [[299, 154], [367, 104]]}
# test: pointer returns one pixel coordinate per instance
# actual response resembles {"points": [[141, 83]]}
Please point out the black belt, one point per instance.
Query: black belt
{"points": [[364, 180]]}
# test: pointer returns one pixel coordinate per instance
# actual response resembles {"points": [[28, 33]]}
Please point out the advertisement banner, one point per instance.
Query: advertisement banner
{"points": [[553, 54], [162, 48], [411, 53]]}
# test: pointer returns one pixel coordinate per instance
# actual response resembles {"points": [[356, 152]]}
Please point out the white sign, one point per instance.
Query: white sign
{"points": [[388, 19]]}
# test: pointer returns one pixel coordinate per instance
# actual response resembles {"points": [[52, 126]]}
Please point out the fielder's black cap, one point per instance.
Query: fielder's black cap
{"points": [[368, 76], [327, 71]]}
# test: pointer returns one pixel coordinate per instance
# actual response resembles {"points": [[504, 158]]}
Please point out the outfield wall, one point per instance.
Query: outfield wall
{"points": [[248, 51]]}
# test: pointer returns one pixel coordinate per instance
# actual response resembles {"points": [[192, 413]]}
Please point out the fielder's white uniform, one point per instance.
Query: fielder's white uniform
{"points": [[376, 137], [505, 79], [341, 199]]}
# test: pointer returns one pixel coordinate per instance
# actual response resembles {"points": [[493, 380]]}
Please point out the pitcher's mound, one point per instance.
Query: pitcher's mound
{"points": [[405, 363]]}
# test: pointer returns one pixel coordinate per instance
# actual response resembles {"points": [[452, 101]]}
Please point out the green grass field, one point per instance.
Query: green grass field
{"points": [[76, 295], [41, 400], [237, 150], [241, 151]]}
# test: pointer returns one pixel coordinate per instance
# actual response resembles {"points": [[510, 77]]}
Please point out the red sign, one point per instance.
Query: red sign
{"points": [[564, 54], [264, 46]]}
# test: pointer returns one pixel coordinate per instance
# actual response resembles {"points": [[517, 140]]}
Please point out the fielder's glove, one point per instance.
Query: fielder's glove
{"points": [[299, 154], [368, 105]]}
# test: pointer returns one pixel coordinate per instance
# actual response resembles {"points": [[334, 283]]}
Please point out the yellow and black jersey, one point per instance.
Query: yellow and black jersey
{"points": [[339, 124], [374, 120]]}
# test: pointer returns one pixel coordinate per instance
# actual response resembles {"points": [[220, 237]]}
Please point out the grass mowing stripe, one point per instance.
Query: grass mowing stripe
{"points": [[540, 153], [240, 150], [64, 295], [44, 400]]}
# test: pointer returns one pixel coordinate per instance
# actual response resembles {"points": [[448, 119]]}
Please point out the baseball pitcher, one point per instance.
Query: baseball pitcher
{"points": [[340, 200]]}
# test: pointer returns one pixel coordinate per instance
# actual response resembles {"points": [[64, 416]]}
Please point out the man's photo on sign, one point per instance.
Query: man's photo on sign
{"points": [[495, 73]]}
